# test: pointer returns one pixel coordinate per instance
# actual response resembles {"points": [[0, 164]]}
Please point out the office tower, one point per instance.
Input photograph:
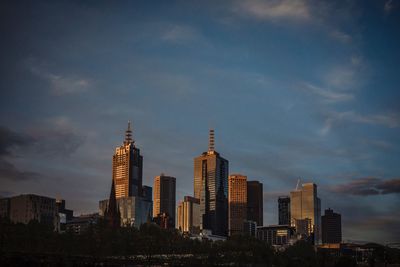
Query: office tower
{"points": [[284, 210], [237, 203], [331, 227], [211, 187], [164, 196], [250, 228], [306, 206], [255, 202], [25, 208], [127, 168], [129, 200], [188, 219]]}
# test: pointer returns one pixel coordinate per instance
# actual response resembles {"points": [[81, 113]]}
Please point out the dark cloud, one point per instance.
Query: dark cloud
{"points": [[10, 172], [10, 139], [369, 186]]}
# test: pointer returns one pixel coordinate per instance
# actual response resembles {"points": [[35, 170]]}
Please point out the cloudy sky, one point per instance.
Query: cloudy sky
{"points": [[293, 89]]}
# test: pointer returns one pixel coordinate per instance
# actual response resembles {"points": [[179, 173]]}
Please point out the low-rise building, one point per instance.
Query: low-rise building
{"points": [[275, 234]]}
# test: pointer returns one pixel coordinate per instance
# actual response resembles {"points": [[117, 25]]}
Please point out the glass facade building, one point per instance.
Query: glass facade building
{"points": [[237, 203], [305, 206], [255, 203], [211, 187]]}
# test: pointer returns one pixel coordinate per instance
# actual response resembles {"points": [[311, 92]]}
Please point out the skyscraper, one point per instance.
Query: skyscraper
{"points": [[331, 227], [164, 196], [306, 206], [128, 198], [188, 220], [237, 203], [127, 168], [284, 210], [255, 202], [211, 187]]}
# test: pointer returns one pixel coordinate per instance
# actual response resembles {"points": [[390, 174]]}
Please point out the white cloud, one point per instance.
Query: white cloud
{"points": [[389, 120], [180, 34], [274, 10], [328, 95], [61, 84], [341, 36]]}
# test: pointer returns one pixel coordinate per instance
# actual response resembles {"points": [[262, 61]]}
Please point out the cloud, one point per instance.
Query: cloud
{"points": [[341, 36], [10, 172], [328, 95], [388, 6], [60, 84], [180, 34], [390, 120], [9, 142], [369, 186], [57, 137], [274, 10]]}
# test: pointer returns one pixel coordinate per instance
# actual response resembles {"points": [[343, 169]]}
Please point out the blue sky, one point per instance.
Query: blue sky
{"points": [[293, 89]]}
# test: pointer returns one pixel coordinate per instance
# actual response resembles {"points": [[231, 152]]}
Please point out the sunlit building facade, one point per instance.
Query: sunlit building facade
{"points": [[164, 196], [237, 203], [211, 187], [305, 210], [188, 218], [127, 168]]}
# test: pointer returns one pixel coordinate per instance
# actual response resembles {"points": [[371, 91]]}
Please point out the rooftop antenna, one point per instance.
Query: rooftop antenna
{"points": [[128, 134], [297, 185], [211, 140]]}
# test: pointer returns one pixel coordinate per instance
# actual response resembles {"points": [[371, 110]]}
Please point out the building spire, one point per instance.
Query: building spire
{"points": [[211, 146], [128, 134]]}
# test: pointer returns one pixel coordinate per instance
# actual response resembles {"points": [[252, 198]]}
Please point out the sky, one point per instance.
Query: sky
{"points": [[294, 89]]}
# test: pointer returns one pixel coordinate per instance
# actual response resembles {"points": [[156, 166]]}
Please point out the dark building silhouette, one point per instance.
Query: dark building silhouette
{"points": [[112, 214], [211, 187], [284, 210], [331, 227], [255, 202]]}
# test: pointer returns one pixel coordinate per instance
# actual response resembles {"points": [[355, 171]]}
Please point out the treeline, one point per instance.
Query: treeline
{"points": [[36, 244]]}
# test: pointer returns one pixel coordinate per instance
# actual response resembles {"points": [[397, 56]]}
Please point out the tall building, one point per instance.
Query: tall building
{"points": [[284, 210], [255, 202], [331, 227], [237, 203], [211, 187], [128, 168], [129, 199], [306, 206], [164, 196], [188, 219]]}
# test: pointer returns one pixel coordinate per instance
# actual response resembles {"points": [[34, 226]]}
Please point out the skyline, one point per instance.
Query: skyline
{"points": [[303, 103]]}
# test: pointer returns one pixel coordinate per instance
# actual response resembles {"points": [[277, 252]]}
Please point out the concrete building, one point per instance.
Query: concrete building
{"points": [[164, 196], [305, 209], [211, 187], [25, 208], [188, 219], [284, 210], [331, 227], [275, 234], [255, 205], [237, 203]]}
